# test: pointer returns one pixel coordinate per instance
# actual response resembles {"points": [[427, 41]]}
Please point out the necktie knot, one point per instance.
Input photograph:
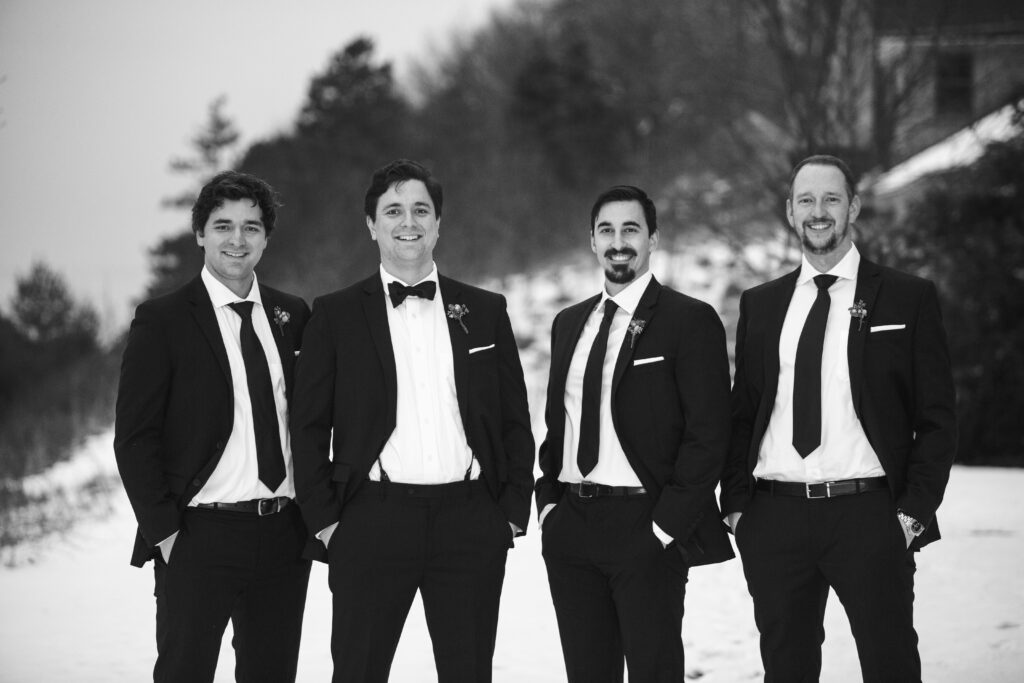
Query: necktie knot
{"points": [[609, 309], [825, 281], [399, 292], [242, 308]]}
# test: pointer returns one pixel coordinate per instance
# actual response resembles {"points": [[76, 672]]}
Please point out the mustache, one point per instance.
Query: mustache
{"points": [[628, 251]]}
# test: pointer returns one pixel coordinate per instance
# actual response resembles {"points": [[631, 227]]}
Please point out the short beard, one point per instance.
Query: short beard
{"points": [[829, 246]]}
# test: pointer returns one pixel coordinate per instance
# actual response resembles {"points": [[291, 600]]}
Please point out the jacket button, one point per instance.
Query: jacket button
{"points": [[197, 482], [219, 445]]}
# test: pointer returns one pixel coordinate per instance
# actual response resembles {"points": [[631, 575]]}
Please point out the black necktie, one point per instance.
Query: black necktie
{"points": [[269, 456], [807, 373], [398, 292], [590, 419]]}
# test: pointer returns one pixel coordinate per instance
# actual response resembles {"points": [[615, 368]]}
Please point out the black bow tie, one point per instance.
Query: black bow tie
{"points": [[398, 292]]}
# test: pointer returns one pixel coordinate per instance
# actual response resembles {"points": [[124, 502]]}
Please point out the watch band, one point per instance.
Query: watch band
{"points": [[909, 523]]}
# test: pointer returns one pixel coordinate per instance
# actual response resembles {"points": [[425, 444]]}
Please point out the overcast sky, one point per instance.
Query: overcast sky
{"points": [[97, 96]]}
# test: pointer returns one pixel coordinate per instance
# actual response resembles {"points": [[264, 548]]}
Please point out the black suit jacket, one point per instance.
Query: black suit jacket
{"points": [[671, 416], [174, 402], [901, 382], [346, 381]]}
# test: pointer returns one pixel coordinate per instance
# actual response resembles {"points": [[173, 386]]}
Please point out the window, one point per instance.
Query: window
{"points": [[954, 85]]}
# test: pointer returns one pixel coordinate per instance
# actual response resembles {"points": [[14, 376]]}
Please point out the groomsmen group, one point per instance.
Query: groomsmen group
{"points": [[387, 433]]}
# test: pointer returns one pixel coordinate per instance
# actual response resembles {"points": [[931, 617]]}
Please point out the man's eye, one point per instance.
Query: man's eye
{"points": [[391, 212]]}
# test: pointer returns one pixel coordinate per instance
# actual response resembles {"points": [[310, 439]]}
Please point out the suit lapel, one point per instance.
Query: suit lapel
{"points": [[645, 310], [374, 308], [282, 340], [452, 293], [576, 320], [868, 281], [777, 307], [206, 319]]}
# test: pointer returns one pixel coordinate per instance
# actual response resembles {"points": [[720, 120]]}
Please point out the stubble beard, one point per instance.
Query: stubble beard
{"points": [[830, 245]]}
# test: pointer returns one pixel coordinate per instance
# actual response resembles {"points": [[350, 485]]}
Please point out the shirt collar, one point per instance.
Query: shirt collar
{"points": [[629, 298], [388, 278], [220, 295], [846, 269]]}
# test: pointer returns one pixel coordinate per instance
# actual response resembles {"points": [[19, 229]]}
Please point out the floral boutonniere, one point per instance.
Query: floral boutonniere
{"points": [[458, 312], [859, 311], [281, 318], [636, 326]]}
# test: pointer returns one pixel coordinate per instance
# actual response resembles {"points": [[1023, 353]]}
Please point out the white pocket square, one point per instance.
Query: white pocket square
{"points": [[297, 353], [645, 361], [884, 328], [481, 348]]}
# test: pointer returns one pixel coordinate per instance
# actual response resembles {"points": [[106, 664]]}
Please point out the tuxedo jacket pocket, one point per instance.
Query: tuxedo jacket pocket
{"points": [[887, 328], [647, 361], [480, 348]]}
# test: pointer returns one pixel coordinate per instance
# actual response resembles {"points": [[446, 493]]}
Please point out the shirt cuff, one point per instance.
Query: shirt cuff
{"points": [[544, 513], [662, 536]]}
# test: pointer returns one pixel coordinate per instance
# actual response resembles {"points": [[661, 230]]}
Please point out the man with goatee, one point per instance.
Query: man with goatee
{"points": [[637, 431], [844, 432]]}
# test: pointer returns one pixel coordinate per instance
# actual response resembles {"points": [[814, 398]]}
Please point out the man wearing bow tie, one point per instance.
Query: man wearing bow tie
{"points": [[637, 429], [844, 432], [201, 441], [429, 475]]}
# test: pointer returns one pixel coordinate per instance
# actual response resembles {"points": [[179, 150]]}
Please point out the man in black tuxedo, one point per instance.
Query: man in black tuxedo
{"points": [[202, 445], [419, 378], [844, 433], [637, 431]]}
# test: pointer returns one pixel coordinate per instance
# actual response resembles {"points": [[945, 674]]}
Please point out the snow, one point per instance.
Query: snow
{"points": [[74, 609]]}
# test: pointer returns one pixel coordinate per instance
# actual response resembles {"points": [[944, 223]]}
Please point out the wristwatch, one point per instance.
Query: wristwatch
{"points": [[909, 523]]}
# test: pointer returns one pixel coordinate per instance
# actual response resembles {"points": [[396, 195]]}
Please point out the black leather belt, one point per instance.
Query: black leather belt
{"points": [[828, 489], [261, 507], [587, 489]]}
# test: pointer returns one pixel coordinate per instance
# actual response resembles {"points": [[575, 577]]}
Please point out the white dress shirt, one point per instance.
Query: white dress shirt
{"points": [[613, 469], [236, 476], [429, 444], [844, 452]]}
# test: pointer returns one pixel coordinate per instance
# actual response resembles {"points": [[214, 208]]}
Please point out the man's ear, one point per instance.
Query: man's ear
{"points": [[373, 230], [854, 208], [789, 214]]}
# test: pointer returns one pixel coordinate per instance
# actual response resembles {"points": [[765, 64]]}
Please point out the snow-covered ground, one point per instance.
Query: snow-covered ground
{"points": [[73, 609]]}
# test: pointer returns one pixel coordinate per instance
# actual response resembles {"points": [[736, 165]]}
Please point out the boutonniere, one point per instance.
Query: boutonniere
{"points": [[281, 318], [458, 312], [636, 326], [859, 311]]}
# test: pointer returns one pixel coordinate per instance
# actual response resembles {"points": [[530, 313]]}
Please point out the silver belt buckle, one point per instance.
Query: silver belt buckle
{"points": [[584, 486], [828, 490], [273, 505]]}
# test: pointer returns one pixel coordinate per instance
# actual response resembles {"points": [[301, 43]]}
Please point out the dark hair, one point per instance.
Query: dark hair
{"points": [[232, 185], [398, 172], [627, 193], [826, 160]]}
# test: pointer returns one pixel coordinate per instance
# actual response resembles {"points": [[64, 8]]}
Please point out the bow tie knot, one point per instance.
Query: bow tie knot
{"points": [[399, 292]]}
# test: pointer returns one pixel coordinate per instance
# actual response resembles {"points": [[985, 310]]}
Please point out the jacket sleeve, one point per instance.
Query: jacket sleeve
{"points": [[702, 383], [516, 431], [142, 397], [735, 487], [934, 414], [311, 422]]}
